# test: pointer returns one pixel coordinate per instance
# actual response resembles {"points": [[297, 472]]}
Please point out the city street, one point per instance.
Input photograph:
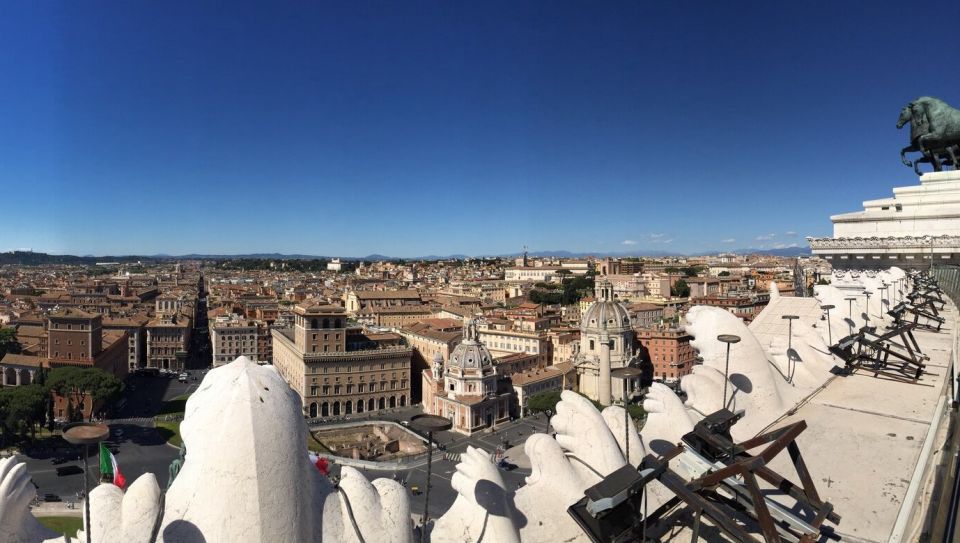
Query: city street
{"points": [[139, 449]]}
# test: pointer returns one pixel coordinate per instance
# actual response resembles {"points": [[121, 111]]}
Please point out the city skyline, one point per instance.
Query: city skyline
{"points": [[352, 130]]}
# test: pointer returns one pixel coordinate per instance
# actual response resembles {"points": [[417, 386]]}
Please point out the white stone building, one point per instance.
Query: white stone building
{"points": [[466, 389], [231, 337], [607, 342], [919, 224]]}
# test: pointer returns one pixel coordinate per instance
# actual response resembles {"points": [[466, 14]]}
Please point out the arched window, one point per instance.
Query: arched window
{"points": [[313, 323], [382, 403], [348, 407], [359, 406], [591, 344], [403, 400], [338, 323], [326, 323], [393, 401], [324, 409], [313, 410], [371, 405], [336, 409]]}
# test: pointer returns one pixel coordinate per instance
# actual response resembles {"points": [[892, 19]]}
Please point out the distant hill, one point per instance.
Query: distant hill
{"points": [[28, 258]]}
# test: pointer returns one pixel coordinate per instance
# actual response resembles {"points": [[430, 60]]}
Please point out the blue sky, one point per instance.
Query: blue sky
{"points": [[412, 128]]}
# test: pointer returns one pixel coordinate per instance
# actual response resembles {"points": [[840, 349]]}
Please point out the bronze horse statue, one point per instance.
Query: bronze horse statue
{"points": [[934, 132]]}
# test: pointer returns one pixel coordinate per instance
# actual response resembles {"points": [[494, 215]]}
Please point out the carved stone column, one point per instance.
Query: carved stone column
{"points": [[19, 376]]}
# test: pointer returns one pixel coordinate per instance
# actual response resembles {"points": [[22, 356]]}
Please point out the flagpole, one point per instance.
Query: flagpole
{"points": [[86, 434]]}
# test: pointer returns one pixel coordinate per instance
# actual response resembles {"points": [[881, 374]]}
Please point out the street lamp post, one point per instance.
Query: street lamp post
{"points": [[789, 319], [86, 434], [827, 308], [626, 373], [428, 424], [866, 316], [850, 314], [728, 339]]}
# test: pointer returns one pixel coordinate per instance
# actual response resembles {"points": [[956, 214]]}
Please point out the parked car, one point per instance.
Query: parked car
{"points": [[51, 497], [68, 470], [184, 377]]}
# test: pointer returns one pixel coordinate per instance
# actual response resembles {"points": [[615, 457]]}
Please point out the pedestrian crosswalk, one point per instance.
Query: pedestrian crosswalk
{"points": [[453, 457]]}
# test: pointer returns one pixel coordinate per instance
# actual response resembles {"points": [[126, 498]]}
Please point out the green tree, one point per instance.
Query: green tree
{"points": [[680, 289], [724, 273], [78, 383], [22, 410], [543, 402], [8, 342]]}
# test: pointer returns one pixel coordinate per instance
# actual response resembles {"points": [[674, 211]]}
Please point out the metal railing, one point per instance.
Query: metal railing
{"points": [[939, 513]]}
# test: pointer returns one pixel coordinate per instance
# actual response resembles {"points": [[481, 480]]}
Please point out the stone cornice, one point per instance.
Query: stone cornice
{"points": [[889, 242]]}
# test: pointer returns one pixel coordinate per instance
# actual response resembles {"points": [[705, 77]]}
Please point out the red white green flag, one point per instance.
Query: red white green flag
{"points": [[109, 468]]}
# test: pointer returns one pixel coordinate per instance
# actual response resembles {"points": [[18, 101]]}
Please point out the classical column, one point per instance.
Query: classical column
{"points": [[32, 376], [19, 377], [3, 376], [605, 384]]}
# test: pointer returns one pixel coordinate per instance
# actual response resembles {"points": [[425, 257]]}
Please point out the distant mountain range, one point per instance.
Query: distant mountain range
{"points": [[28, 258]]}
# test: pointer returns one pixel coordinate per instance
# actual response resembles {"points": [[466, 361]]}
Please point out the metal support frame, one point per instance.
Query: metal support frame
{"points": [[725, 486], [880, 354]]}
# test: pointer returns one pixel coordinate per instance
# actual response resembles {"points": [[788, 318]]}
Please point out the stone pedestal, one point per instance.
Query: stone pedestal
{"points": [[918, 224]]}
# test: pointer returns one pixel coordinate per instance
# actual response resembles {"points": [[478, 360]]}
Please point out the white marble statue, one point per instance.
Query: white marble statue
{"points": [[17, 525], [586, 448], [754, 385]]}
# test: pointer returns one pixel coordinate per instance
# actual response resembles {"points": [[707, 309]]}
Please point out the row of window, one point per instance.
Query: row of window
{"points": [[364, 367], [361, 388]]}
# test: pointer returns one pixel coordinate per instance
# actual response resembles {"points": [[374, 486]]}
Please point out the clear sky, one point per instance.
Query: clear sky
{"points": [[414, 128]]}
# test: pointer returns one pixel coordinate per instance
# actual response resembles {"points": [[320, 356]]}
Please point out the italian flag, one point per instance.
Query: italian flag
{"points": [[109, 467]]}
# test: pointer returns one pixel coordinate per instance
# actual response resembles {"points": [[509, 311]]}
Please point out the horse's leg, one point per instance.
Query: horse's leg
{"points": [[953, 158], [903, 155], [936, 162]]}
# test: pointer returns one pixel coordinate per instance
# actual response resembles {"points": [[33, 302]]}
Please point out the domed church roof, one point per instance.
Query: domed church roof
{"points": [[471, 353], [605, 313]]}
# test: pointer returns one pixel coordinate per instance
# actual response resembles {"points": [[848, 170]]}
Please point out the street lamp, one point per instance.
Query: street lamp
{"points": [[86, 434], [827, 308], [627, 374], [850, 314], [428, 424], [789, 319], [866, 316], [728, 339]]}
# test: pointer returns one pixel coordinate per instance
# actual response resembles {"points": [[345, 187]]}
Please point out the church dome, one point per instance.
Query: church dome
{"points": [[605, 313], [471, 353]]}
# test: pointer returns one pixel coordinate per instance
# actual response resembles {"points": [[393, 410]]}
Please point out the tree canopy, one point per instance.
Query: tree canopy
{"points": [[9, 342], [22, 408], [74, 382], [543, 402], [680, 289]]}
